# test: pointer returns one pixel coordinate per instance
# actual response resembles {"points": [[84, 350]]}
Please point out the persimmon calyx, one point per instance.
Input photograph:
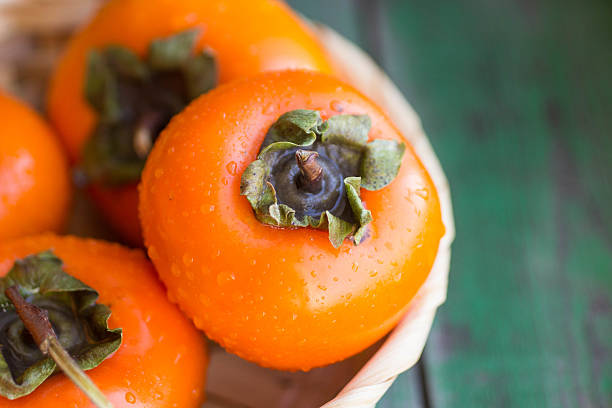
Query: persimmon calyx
{"points": [[135, 99], [70, 306], [309, 173]]}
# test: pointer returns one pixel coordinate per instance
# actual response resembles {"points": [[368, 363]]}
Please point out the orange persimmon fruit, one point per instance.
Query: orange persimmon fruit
{"points": [[35, 187], [162, 359], [244, 37], [283, 297]]}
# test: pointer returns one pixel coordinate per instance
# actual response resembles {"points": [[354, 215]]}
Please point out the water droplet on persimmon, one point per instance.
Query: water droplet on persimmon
{"points": [[130, 398], [224, 278], [337, 106], [232, 167], [187, 259]]}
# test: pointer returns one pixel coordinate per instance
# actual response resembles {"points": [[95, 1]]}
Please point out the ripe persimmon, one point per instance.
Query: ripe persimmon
{"points": [[138, 62], [162, 358], [287, 297], [34, 177]]}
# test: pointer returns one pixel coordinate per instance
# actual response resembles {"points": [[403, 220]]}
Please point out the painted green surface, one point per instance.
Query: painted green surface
{"points": [[516, 97]]}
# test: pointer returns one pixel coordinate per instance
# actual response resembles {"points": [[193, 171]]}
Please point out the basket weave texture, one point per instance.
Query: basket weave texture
{"points": [[32, 35]]}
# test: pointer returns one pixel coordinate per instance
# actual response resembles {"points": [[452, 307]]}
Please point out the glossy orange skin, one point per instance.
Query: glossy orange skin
{"points": [[247, 37], [35, 187], [162, 360], [279, 297]]}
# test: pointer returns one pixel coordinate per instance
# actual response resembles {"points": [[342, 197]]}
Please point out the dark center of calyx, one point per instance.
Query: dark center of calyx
{"points": [[135, 99], [309, 173], [78, 321]]}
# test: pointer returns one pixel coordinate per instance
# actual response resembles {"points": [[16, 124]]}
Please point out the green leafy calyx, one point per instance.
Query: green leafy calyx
{"points": [[309, 173], [79, 322], [135, 98]]}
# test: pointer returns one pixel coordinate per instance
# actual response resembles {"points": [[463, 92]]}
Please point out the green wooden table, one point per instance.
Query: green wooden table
{"points": [[516, 97]]}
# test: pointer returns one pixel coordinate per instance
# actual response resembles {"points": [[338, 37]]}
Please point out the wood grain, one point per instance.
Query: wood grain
{"points": [[516, 97]]}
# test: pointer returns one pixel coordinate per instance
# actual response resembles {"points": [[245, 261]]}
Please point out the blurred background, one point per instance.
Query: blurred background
{"points": [[516, 97]]}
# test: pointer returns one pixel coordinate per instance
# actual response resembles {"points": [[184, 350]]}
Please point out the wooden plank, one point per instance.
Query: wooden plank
{"points": [[516, 97]]}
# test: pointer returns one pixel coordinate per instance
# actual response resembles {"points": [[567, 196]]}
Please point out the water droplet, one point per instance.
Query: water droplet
{"points": [[225, 277], [337, 106], [294, 316], [232, 167], [335, 279], [159, 396], [187, 259], [355, 266], [313, 274], [211, 208], [322, 287], [130, 398], [373, 273]]}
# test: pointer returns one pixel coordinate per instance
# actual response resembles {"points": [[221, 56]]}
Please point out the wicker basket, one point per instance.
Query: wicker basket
{"points": [[32, 33]]}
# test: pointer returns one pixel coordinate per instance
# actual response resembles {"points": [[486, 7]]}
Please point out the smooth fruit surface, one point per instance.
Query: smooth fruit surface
{"points": [[34, 178], [280, 297], [246, 37], [162, 360]]}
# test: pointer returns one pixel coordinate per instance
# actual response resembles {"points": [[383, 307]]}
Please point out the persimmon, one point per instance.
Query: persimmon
{"points": [[138, 62], [34, 177], [235, 200], [162, 358]]}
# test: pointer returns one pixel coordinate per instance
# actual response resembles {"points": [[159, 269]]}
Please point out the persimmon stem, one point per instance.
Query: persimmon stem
{"points": [[36, 321], [143, 136], [310, 169]]}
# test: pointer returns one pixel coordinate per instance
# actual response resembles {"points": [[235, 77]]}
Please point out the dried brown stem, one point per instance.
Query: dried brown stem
{"points": [[36, 321], [310, 169], [143, 137]]}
